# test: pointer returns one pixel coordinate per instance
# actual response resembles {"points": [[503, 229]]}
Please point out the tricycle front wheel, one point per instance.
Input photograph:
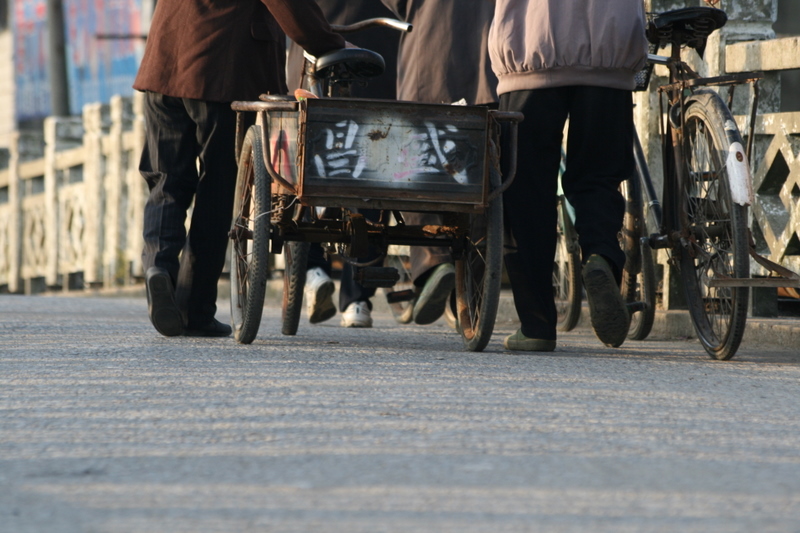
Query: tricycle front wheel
{"points": [[249, 240]]}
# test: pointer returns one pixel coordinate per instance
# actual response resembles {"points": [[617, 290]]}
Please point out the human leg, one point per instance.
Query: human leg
{"points": [[168, 166], [596, 165], [203, 255], [432, 272], [355, 299], [530, 209]]}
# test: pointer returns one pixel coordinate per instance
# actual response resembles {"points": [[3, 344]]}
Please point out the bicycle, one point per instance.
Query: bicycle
{"points": [[345, 153], [703, 219], [567, 282]]}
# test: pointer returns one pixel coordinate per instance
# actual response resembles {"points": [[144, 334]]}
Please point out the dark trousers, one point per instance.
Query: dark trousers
{"points": [[179, 133], [599, 157]]}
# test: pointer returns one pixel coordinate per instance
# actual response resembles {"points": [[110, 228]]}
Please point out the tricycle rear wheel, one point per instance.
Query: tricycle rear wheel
{"points": [[478, 276], [295, 257]]}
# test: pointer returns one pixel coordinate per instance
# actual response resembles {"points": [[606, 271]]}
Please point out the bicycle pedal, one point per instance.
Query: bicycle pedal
{"points": [[374, 277], [396, 297]]}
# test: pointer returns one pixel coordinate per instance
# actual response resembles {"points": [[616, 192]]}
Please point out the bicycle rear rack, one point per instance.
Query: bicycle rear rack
{"points": [[783, 278]]}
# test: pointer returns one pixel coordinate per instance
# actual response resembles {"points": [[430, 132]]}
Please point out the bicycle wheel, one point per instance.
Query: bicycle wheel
{"points": [[250, 240], [567, 284], [638, 276], [714, 226], [478, 276], [295, 259], [401, 297]]}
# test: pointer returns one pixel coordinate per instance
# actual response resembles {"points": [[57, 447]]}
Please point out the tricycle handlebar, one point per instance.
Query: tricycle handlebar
{"points": [[369, 23]]}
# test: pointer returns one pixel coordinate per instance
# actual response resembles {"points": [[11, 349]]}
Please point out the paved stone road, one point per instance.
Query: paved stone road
{"points": [[107, 427]]}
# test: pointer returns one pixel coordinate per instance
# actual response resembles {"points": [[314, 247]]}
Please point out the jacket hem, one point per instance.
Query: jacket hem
{"points": [[543, 79]]}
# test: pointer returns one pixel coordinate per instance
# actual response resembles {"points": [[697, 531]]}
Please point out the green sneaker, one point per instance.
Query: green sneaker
{"points": [[520, 342], [610, 317], [435, 294]]}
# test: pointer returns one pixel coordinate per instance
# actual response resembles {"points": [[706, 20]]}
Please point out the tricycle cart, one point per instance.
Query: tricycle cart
{"points": [[307, 167]]}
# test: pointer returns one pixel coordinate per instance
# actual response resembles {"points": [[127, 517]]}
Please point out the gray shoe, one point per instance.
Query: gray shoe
{"points": [[435, 294], [520, 342], [610, 317], [161, 304]]}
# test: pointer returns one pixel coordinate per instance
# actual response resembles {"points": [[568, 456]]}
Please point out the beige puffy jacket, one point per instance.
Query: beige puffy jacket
{"points": [[536, 44]]}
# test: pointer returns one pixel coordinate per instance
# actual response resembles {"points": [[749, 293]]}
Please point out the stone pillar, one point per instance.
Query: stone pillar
{"points": [[95, 124], [15, 212], [114, 186], [60, 133]]}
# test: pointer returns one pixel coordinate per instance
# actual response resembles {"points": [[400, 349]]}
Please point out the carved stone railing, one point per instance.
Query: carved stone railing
{"points": [[776, 158], [71, 217]]}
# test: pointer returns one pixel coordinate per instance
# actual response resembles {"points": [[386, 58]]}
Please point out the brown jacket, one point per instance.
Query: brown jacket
{"points": [[445, 57], [226, 50]]}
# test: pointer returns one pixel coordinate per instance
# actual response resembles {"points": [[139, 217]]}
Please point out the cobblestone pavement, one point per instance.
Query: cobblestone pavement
{"points": [[105, 426]]}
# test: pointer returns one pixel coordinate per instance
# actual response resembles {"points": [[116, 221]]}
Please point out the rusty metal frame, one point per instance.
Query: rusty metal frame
{"points": [[682, 78]]}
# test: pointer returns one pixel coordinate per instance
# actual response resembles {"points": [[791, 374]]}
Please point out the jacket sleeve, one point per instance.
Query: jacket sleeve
{"points": [[304, 23], [398, 7]]}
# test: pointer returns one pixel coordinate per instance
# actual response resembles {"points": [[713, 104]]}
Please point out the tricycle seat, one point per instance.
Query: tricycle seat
{"points": [[350, 64]]}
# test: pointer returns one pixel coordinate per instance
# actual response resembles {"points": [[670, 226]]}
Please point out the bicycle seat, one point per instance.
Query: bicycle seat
{"points": [[350, 64], [689, 26]]}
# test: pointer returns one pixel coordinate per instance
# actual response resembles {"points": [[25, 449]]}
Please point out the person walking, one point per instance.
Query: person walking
{"points": [[442, 61], [355, 300], [200, 56], [559, 59]]}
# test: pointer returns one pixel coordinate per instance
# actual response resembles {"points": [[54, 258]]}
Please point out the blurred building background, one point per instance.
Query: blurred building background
{"points": [[103, 43]]}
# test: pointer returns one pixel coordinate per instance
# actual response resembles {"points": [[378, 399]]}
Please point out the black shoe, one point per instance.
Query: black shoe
{"points": [[161, 305], [610, 317], [215, 328]]}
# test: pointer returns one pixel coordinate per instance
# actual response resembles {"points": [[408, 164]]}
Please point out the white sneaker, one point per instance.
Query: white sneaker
{"points": [[319, 295], [357, 315]]}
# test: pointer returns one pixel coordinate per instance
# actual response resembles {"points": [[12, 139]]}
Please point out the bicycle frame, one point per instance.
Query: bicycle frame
{"points": [[671, 130]]}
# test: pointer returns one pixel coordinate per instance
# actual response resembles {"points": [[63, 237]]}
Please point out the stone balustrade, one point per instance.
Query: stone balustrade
{"points": [[71, 213]]}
